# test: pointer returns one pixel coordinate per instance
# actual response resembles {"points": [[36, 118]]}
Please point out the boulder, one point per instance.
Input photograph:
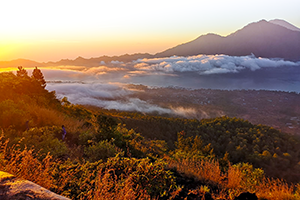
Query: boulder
{"points": [[13, 188]]}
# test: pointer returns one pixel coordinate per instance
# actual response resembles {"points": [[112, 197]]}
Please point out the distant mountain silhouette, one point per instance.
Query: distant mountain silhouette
{"points": [[263, 39], [19, 62], [80, 61], [285, 24], [93, 62]]}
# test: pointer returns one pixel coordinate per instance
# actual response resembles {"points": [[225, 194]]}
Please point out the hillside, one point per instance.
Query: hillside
{"points": [[101, 158]]}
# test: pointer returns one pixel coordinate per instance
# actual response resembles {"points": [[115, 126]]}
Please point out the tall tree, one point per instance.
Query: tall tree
{"points": [[38, 75], [22, 72]]}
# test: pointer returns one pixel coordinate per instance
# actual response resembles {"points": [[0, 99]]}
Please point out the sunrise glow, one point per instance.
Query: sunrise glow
{"points": [[53, 30]]}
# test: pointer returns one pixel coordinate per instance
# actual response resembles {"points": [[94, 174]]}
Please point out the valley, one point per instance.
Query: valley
{"points": [[278, 109]]}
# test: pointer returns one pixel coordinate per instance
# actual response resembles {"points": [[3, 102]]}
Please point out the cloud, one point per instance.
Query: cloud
{"points": [[116, 62], [111, 96], [97, 85], [103, 70], [108, 96], [208, 64], [76, 92], [185, 112]]}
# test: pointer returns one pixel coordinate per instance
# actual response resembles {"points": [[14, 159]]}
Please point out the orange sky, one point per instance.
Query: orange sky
{"points": [[53, 30]]}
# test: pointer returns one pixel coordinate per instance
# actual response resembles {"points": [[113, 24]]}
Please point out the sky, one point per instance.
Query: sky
{"points": [[62, 29]]}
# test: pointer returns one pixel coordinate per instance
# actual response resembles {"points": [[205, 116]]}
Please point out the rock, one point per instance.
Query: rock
{"points": [[12, 188], [246, 196]]}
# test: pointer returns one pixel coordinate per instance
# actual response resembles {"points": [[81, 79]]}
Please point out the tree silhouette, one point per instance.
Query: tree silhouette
{"points": [[22, 72], [38, 75]]}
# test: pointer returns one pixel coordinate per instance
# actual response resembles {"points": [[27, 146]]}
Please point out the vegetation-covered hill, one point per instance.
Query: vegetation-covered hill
{"points": [[165, 158]]}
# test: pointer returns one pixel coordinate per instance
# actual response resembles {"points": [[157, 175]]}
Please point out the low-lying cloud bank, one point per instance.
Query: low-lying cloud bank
{"points": [[208, 64], [98, 85], [108, 96]]}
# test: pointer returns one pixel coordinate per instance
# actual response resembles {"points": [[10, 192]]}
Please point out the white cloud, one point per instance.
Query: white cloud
{"points": [[111, 96], [108, 96], [92, 86], [207, 64], [116, 62]]}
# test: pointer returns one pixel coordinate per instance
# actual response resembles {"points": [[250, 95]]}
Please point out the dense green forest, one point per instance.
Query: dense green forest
{"points": [[109, 154]]}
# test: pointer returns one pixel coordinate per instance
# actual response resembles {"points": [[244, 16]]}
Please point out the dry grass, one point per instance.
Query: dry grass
{"points": [[24, 164], [109, 187], [275, 189], [233, 182], [234, 178], [204, 170], [41, 116]]}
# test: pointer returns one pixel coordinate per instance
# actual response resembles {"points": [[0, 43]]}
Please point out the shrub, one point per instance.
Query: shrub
{"points": [[145, 175], [44, 140], [101, 150]]}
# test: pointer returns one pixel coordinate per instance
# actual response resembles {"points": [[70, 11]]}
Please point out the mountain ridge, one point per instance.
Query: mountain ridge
{"points": [[285, 24], [269, 39], [262, 38]]}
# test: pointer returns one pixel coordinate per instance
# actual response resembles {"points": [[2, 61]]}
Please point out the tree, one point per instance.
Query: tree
{"points": [[22, 72], [38, 75]]}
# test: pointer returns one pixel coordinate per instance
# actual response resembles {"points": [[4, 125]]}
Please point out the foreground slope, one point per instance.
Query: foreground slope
{"points": [[102, 159]]}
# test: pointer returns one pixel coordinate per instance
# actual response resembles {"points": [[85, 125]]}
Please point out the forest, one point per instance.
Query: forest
{"points": [[108, 154]]}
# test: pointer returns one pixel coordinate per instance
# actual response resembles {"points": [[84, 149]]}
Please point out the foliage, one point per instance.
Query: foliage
{"points": [[144, 174], [108, 186], [22, 73], [109, 154], [39, 77], [241, 140], [101, 151], [45, 139], [75, 180]]}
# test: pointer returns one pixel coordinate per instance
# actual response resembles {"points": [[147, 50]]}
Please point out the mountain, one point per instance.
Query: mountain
{"points": [[285, 24], [19, 62], [263, 39], [94, 62], [79, 61]]}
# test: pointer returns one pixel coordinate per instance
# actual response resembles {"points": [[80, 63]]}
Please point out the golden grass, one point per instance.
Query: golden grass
{"points": [[24, 164], [204, 170], [232, 183], [41, 116], [275, 189], [108, 187]]}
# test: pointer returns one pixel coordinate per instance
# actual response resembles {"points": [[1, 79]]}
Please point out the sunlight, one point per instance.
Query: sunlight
{"points": [[8, 69], [5, 51]]}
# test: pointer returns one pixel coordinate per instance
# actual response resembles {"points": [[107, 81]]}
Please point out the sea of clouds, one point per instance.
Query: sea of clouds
{"points": [[104, 85], [208, 64]]}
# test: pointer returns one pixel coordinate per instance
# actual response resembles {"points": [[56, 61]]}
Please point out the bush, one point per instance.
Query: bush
{"points": [[44, 140], [101, 151], [154, 178]]}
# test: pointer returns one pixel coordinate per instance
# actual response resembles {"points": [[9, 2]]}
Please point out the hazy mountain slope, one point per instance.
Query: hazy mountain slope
{"points": [[93, 62], [19, 62], [285, 24], [261, 38], [79, 61]]}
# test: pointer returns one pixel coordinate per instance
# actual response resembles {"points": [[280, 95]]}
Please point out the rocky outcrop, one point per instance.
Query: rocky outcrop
{"points": [[12, 188]]}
